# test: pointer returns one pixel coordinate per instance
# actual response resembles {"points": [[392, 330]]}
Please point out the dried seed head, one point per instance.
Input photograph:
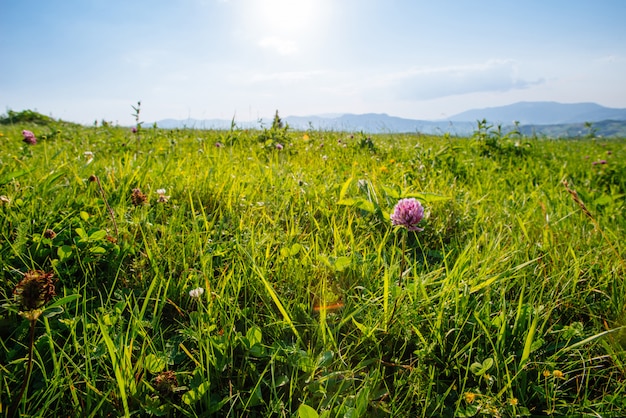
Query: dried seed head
{"points": [[165, 382], [49, 233], [138, 198], [34, 290]]}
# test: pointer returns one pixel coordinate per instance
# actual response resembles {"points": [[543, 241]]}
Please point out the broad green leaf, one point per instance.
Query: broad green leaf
{"points": [[82, 234], [342, 263], [97, 250], [64, 252], [154, 364], [195, 394], [254, 336], [97, 235], [305, 411], [295, 249], [325, 359]]}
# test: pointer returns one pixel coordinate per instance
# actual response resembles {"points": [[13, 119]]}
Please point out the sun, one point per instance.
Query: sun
{"points": [[287, 17], [286, 26]]}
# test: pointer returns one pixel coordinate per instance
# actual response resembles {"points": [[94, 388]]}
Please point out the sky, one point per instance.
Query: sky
{"points": [[88, 60]]}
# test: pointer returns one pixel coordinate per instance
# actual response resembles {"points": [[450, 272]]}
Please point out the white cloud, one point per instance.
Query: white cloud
{"points": [[281, 46], [434, 82]]}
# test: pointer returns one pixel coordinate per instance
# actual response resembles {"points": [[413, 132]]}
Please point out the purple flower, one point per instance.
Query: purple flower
{"points": [[599, 162], [134, 130], [29, 137], [218, 145], [408, 213], [279, 146]]}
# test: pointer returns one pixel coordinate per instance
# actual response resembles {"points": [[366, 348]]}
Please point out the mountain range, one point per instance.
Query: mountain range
{"points": [[539, 118]]}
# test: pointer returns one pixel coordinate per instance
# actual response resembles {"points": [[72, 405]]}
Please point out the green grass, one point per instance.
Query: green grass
{"points": [[511, 302]]}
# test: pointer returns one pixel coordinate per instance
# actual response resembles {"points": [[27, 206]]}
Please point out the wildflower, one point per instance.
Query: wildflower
{"points": [[547, 373], [4, 199], [599, 162], [34, 290], [162, 197], [88, 156], [513, 401], [305, 137], [166, 382], [196, 293], [558, 374], [138, 198], [49, 233], [29, 137], [408, 213], [469, 397], [134, 130], [279, 146], [218, 145]]}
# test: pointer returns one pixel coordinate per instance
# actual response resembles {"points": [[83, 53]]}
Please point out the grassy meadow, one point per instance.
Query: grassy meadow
{"points": [[257, 273]]}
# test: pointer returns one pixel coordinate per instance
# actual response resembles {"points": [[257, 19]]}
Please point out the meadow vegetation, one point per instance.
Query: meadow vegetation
{"points": [[257, 273]]}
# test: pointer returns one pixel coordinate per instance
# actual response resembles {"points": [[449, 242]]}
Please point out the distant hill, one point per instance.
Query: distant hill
{"points": [[605, 129], [543, 113], [379, 123], [535, 118]]}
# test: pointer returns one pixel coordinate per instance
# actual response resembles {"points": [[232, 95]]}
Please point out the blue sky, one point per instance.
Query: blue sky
{"points": [[87, 60]]}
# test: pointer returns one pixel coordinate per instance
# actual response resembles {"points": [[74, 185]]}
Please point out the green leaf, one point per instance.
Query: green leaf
{"points": [[603, 200], [82, 234], [98, 235], [344, 189], [428, 197], [295, 249], [325, 359], [254, 336], [64, 252], [15, 174], [194, 395], [54, 311], [97, 250], [347, 202], [154, 364], [342, 263], [305, 411], [476, 368], [391, 192], [366, 205]]}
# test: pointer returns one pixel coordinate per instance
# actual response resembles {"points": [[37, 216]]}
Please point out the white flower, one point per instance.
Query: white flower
{"points": [[162, 197], [196, 293]]}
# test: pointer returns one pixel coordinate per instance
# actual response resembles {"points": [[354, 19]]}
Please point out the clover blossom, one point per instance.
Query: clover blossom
{"points": [[162, 197], [196, 293], [408, 213], [29, 137]]}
